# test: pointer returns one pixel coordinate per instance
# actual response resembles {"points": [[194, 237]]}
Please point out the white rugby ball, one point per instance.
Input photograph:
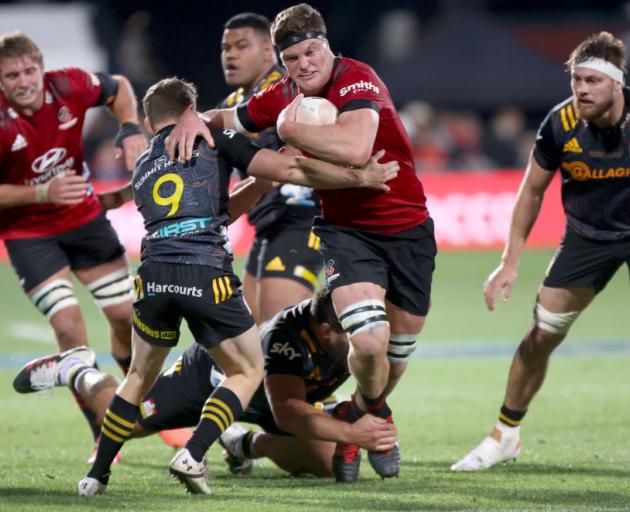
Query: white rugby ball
{"points": [[316, 110]]}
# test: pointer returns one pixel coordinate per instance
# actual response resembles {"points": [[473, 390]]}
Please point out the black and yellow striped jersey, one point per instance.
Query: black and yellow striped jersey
{"points": [[595, 168]]}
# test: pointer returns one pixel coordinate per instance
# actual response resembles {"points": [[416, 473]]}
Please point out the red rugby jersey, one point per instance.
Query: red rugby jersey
{"points": [[34, 149], [354, 85]]}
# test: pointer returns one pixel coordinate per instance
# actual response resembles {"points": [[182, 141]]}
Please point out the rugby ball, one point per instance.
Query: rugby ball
{"points": [[316, 110]]}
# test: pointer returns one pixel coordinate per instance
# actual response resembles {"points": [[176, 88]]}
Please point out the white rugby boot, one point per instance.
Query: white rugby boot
{"points": [[90, 487], [490, 452], [193, 474], [46, 372], [232, 442]]}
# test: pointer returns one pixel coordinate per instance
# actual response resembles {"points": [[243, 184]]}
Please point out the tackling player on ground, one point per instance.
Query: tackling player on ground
{"points": [[284, 261], [50, 223], [379, 249], [586, 137], [305, 352]]}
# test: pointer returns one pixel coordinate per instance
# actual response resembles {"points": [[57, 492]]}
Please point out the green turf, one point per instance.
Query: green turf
{"points": [[576, 451], [458, 312], [576, 454]]}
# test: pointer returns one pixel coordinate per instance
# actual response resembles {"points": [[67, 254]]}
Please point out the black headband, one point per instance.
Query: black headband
{"points": [[298, 37]]}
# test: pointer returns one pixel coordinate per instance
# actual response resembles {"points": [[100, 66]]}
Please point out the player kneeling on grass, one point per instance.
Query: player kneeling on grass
{"points": [[305, 351], [186, 272]]}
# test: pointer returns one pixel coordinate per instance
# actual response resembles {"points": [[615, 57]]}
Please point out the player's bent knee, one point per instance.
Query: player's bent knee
{"points": [[363, 316], [555, 323], [400, 348], [54, 297], [113, 288]]}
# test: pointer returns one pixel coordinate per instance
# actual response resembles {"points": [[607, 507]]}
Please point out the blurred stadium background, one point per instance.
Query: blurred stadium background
{"points": [[472, 80]]}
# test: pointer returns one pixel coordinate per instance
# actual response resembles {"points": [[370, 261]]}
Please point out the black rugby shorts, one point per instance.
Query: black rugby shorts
{"points": [[208, 299], [402, 263], [583, 263], [287, 253], [88, 246]]}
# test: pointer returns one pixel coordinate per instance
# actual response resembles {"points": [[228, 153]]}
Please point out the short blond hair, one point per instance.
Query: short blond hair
{"points": [[15, 45]]}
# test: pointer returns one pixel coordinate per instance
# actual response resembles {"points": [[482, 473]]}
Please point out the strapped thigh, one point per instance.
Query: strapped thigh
{"points": [[113, 288], [363, 315], [54, 296]]}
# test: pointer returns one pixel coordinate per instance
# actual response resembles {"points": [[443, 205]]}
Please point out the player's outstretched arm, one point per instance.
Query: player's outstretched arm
{"points": [[318, 174], [287, 397], [112, 199], [245, 195], [130, 141], [524, 214], [65, 188], [191, 124], [349, 141]]}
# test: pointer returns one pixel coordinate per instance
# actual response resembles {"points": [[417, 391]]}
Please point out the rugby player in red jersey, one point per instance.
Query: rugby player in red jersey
{"points": [[51, 223], [379, 248]]}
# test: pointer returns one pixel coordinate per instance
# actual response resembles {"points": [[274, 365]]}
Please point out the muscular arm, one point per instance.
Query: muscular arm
{"points": [[349, 141], [66, 188], [123, 105], [319, 174], [245, 195], [291, 412], [524, 214], [12, 196], [125, 108], [191, 125]]}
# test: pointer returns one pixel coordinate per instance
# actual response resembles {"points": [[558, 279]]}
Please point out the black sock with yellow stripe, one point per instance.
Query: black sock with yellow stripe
{"points": [[221, 409], [118, 423], [510, 417]]}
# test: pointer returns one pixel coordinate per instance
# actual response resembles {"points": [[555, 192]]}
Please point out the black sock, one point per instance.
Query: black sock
{"points": [[124, 363], [377, 406], [221, 409], [117, 426], [89, 415], [510, 417]]}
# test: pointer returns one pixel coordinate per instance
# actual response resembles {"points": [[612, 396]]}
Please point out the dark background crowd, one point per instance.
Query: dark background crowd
{"points": [[472, 79]]}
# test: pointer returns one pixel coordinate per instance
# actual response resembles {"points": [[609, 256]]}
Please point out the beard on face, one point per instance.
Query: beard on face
{"points": [[596, 111]]}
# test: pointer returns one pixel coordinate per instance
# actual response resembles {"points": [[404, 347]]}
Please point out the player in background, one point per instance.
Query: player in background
{"points": [[586, 137], [51, 223], [186, 273], [379, 253], [305, 352], [284, 261]]}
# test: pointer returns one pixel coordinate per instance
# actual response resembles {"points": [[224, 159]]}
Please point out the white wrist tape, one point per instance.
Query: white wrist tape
{"points": [[41, 192]]}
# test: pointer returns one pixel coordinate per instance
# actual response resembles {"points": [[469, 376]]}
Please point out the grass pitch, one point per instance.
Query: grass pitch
{"points": [[576, 452]]}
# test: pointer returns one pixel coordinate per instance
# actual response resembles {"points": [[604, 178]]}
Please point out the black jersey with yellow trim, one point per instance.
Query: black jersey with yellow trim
{"points": [[595, 169], [286, 205], [290, 347], [185, 205]]}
